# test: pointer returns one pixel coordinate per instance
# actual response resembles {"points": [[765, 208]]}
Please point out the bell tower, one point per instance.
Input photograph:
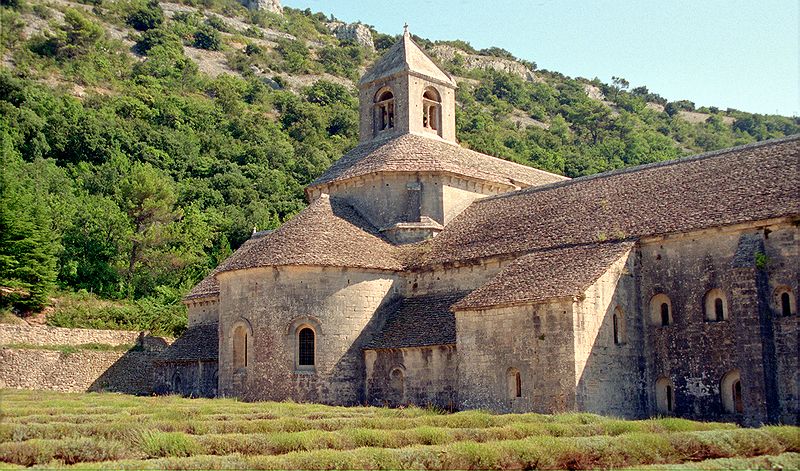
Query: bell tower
{"points": [[406, 92]]}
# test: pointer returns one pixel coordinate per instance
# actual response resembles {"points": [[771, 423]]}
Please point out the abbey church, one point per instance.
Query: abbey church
{"points": [[425, 273]]}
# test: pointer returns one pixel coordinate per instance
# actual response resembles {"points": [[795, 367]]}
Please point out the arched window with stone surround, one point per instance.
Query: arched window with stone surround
{"points": [[715, 306], [514, 383], [241, 346], [660, 310], [785, 301], [618, 321], [384, 110], [306, 348], [665, 396], [731, 392], [431, 110]]}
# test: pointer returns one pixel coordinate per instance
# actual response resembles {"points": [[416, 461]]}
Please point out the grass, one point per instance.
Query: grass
{"points": [[67, 349], [104, 430]]}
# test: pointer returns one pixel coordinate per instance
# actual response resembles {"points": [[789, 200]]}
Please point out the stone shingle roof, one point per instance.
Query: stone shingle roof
{"points": [[738, 185], [417, 322], [540, 276], [328, 232], [209, 286], [198, 343], [414, 153], [404, 56]]}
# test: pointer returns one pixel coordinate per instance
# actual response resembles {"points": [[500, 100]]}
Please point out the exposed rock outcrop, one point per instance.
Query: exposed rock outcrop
{"points": [[272, 6], [353, 32], [475, 61]]}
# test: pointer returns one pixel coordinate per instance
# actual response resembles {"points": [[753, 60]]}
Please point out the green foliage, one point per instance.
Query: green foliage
{"points": [[76, 37], [146, 15], [161, 314], [206, 37], [295, 56], [343, 60], [157, 444], [27, 246]]}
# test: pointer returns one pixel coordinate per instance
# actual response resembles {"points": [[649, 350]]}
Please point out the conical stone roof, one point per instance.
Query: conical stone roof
{"points": [[406, 56]]}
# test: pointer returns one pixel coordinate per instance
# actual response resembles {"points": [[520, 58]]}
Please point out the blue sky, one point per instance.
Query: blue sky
{"points": [[738, 54]]}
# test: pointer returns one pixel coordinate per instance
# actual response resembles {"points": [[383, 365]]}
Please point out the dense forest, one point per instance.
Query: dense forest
{"points": [[142, 142]]}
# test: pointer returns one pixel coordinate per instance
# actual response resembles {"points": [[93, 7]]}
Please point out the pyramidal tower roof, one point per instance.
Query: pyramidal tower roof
{"points": [[406, 56]]}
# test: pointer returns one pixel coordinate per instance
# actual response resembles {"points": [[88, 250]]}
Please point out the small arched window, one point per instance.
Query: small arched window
{"points": [[619, 326], [665, 396], [397, 385], [660, 310], [716, 306], [306, 347], [384, 110], [731, 392], [241, 347], [514, 379], [784, 300], [431, 110]]}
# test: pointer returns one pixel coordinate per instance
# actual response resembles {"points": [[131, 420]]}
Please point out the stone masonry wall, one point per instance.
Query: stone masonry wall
{"points": [[338, 304], [428, 376], [695, 353], [46, 335], [536, 340], [391, 198], [782, 250], [130, 372], [609, 373]]}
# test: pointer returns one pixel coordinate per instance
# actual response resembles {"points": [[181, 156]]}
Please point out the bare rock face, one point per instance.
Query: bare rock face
{"points": [[356, 32], [272, 6], [474, 61]]}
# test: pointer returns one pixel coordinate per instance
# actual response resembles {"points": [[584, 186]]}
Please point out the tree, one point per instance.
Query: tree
{"points": [[146, 16], [27, 247], [147, 197]]}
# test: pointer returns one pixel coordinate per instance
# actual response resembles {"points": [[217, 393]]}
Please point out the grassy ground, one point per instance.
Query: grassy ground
{"points": [[115, 431]]}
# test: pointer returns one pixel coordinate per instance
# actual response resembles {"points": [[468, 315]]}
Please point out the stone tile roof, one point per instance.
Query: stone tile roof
{"points": [[328, 232], [414, 153], [738, 185], [418, 321], [540, 276], [198, 343], [406, 55], [209, 286]]}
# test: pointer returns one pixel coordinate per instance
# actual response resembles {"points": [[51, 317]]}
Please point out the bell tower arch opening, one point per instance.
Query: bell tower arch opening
{"points": [[405, 92]]}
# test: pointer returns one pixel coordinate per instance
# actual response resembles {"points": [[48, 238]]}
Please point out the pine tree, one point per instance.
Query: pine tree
{"points": [[27, 251]]}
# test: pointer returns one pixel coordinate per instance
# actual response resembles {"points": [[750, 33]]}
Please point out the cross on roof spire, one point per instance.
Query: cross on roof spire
{"points": [[405, 27]]}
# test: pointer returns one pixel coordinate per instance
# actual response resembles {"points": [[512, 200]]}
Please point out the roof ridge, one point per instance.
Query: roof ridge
{"points": [[643, 167]]}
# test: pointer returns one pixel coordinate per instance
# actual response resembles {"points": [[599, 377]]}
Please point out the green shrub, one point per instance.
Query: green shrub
{"points": [[208, 38], [146, 15], [157, 444]]}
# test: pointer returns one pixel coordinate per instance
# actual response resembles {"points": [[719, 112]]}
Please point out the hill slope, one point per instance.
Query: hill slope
{"points": [[142, 141]]}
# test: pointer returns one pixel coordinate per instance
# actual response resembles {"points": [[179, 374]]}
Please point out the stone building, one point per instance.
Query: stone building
{"points": [[426, 273]]}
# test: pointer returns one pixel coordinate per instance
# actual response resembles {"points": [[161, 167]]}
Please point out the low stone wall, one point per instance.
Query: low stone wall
{"points": [[85, 370], [45, 335], [23, 366]]}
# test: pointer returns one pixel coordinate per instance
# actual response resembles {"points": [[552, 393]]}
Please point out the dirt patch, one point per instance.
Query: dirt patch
{"points": [[694, 117], [296, 82], [212, 63], [521, 119], [654, 106]]}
